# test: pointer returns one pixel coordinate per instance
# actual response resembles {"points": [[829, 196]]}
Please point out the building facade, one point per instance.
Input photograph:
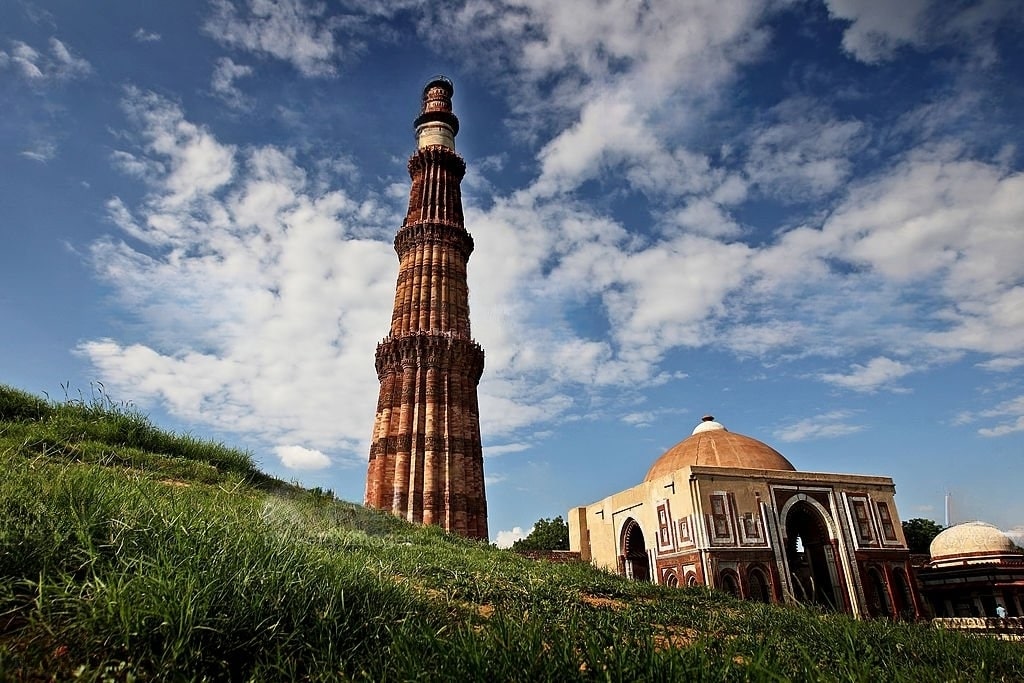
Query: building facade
{"points": [[426, 461], [724, 510], [974, 569]]}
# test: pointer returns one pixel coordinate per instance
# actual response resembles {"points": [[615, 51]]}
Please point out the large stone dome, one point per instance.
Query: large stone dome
{"points": [[711, 444], [971, 541]]}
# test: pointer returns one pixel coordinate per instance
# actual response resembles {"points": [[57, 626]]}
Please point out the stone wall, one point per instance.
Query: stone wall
{"points": [[1010, 628]]}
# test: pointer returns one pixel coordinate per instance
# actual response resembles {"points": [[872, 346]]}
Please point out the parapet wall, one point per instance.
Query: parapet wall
{"points": [[1009, 628]]}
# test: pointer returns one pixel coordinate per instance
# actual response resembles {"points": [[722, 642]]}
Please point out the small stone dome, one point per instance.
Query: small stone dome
{"points": [[971, 540], [711, 444]]}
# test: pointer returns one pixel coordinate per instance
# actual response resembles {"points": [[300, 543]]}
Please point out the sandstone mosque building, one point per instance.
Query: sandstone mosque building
{"points": [[724, 510], [426, 461]]}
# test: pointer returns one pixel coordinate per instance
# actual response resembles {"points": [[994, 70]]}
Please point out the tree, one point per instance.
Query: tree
{"points": [[547, 534], [919, 533]]}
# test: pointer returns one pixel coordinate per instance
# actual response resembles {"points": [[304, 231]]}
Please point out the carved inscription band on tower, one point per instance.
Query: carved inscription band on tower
{"points": [[426, 461]]}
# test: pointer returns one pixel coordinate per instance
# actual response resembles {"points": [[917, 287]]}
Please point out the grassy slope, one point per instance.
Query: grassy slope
{"points": [[129, 553]]}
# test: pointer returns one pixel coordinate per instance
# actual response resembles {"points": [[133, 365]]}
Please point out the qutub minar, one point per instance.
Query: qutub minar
{"points": [[426, 461]]}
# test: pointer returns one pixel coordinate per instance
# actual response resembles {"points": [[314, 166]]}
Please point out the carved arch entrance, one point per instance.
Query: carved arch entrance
{"points": [[810, 556], [634, 561], [903, 598], [878, 604], [730, 583], [758, 585]]}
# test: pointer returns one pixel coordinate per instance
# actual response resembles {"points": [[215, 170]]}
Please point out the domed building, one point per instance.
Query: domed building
{"points": [[974, 568], [724, 510]]}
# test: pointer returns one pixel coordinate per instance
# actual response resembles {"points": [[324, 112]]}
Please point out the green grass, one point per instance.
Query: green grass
{"points": [[128, 553]]}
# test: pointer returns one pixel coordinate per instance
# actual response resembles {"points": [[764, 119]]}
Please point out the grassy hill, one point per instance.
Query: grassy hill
{"points": [[129, 553]]}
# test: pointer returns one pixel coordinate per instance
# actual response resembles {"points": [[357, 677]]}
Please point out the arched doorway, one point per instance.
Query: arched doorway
{"points": [[757, 583], [811, 557], [634, 552], [879, 599], [730, 583], [902, 596]]}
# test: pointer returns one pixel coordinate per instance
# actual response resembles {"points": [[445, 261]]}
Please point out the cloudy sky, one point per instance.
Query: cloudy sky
{"points": [[804, 217]]}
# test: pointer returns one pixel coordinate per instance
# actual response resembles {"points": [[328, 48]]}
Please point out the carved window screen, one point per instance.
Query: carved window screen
{"points": [[863, 522], [888, 530], [751, 526], [719, 516], [664, 527]]}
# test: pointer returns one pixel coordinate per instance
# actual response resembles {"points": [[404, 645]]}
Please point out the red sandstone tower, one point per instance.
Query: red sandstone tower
{"points": [[426, 463]]}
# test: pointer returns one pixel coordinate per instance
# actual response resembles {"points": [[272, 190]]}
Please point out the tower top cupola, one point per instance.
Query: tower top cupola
{"points": [[436, 124]]}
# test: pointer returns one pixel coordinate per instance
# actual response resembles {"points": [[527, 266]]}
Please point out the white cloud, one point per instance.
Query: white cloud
{"points": [[260, 305], [196, 164], [703, 216], [64, 64], [1012, 414], [919, 258], [289, 30], [537, 261], [617, 79], [507, 406], [644, 418], [141, 35], [873, 279], [761, 339], [42, 151], [24, 58], [250, 263], [876, 374], [955, 226], [878, 28], [59, 65], [1004, 364], [669, 293], [225, 72], [615, 101], [828, 425], [608, 129], [1009, 427], [502, 449], [137, 166], [641, 419], [802, 152], [491, 479], [299, 458], [505, 539]]}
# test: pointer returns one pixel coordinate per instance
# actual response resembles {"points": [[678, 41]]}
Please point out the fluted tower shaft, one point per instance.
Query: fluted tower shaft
{"points": [[426, 461]]}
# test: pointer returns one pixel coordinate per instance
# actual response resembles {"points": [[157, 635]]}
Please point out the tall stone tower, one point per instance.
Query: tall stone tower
{"points": [[426, 463]]}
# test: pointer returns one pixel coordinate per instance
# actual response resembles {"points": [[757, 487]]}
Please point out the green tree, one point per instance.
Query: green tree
{"points": [[919, 533], [547, 534]]}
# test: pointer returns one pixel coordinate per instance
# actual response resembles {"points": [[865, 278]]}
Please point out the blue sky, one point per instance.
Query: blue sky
{"points": [[803, 217]]}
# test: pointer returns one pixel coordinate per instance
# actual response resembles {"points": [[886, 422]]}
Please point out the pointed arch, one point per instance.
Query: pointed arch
{"points": [[759, 585], [810, 555], [633, 560]]}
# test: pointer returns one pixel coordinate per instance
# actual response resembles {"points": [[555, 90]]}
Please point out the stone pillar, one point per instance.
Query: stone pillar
{"points": [[426, 460]]}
